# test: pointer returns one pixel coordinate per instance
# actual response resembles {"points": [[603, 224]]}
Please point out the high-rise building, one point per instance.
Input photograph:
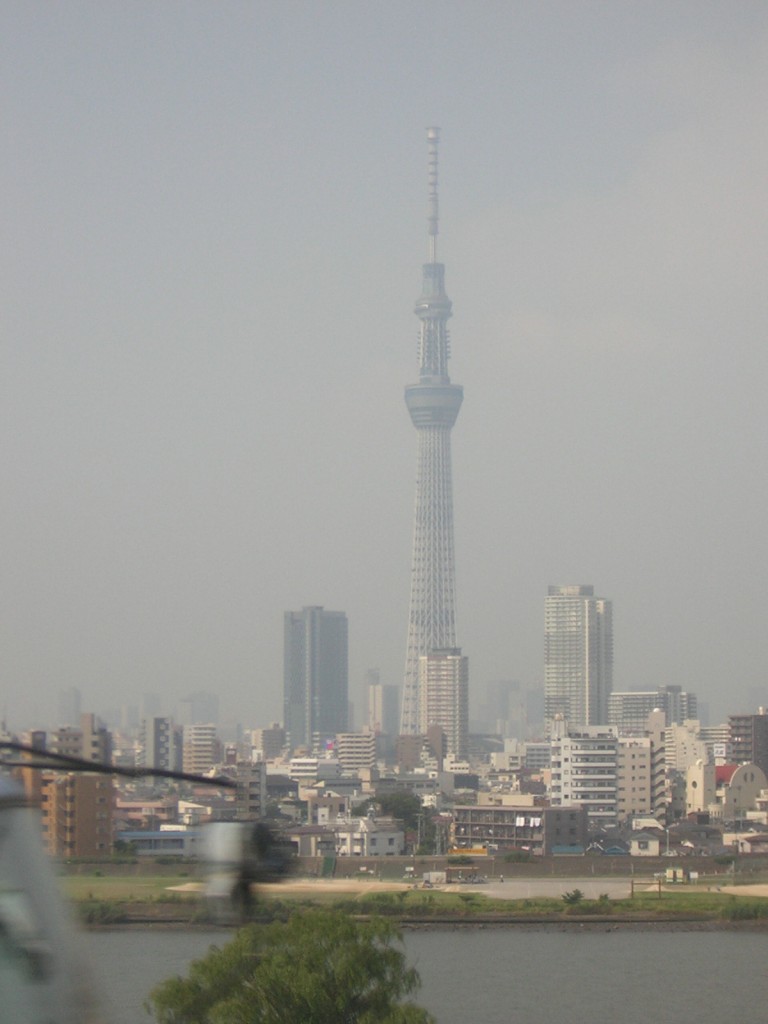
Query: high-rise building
{"points": [[356, 751], [444, 698], [92, 741], [315, 676], [201, 748], [382, 705], [433, 404], [77, 812], [635, 791], [585, 770], [749, 738], [628, 710], [268, 742], [251, 797], [160, 744], [68, 706], [198, 708], [578, 656], [684, 746]]}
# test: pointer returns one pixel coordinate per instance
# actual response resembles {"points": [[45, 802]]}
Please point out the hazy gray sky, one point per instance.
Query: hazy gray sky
{"points": [[214, 219]]}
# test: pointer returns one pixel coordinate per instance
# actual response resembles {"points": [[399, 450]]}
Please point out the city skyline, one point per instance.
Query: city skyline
{"points": [[211, 217]]}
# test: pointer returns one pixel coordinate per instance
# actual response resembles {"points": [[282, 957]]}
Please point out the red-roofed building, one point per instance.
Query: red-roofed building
{"points": [[725, 792]]}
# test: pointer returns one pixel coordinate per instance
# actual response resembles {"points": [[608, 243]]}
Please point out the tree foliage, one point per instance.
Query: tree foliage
{"points": [[407, 808], [316, 968], [403, 805], [573, 897]]}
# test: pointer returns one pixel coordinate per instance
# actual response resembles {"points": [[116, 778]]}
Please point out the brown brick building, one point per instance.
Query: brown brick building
{"points": [[77, 814]]}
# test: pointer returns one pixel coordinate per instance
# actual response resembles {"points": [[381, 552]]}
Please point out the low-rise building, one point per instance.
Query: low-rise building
{"points": [[147, 814], [312, 840], [324, 807], [726, 792], [644, 844], [503, 827], [370, 836], [168, 841], [314, 769]]}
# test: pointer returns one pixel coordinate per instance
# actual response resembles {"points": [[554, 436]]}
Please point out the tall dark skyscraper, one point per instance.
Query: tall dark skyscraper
{"points": [[434, 404], [315, 676]]}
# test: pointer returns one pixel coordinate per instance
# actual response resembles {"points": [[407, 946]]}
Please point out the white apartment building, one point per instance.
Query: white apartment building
{"points": [[683, 746], [585, 771], [356, 751], [369, 837], [314, 769], [578, 655], [531, 755], [691, 742], [201, 748], [444, 697]]}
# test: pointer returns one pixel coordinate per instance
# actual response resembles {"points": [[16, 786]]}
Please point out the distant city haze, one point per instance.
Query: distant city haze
{"points": [[214, 221]]}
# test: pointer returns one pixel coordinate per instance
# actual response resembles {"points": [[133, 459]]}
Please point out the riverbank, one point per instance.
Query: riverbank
{"points": [[648, 904]]}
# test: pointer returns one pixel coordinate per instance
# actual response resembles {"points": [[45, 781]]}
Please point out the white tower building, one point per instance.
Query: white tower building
{"points": [[444, 698], [585, 771], [578, 656], [434, 404]]}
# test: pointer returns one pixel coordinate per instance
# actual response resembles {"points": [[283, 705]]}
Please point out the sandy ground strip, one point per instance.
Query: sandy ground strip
{"points": [[511, 889]]}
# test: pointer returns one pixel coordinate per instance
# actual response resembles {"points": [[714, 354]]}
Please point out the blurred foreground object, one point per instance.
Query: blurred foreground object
{"points": [[41, 973], [239, 855]]}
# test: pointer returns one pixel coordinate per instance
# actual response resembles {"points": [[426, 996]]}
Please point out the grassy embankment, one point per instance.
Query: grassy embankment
{"points": [[420, 905], [119, 901], [106, 899]]}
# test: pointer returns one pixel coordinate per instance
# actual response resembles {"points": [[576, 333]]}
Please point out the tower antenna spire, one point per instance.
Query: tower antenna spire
{"points": [[433, 138]]}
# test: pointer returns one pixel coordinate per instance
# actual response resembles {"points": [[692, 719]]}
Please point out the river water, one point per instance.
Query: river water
{"points": [[523, 975]]}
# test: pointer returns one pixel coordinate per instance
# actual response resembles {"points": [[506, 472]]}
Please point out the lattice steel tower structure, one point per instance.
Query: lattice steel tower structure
{"points": [[434, 404]]}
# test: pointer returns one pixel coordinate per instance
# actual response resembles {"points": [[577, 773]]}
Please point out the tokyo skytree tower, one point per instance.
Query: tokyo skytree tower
{"points": [[434, 404]]}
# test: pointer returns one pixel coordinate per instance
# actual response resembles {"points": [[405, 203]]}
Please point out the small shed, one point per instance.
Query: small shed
{"points": [[644, 844]]}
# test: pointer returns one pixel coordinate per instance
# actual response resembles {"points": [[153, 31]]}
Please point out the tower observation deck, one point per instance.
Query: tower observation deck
{"points": [[433, 403]]}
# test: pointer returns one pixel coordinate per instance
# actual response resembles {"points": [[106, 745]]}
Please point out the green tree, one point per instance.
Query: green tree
{"points": [[407, 807], [573, 897], [403, 805], [319, 967]]}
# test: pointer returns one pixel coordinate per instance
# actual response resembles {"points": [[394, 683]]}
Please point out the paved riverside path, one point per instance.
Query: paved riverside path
{"points": [[532, 888], [510, 889]]}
